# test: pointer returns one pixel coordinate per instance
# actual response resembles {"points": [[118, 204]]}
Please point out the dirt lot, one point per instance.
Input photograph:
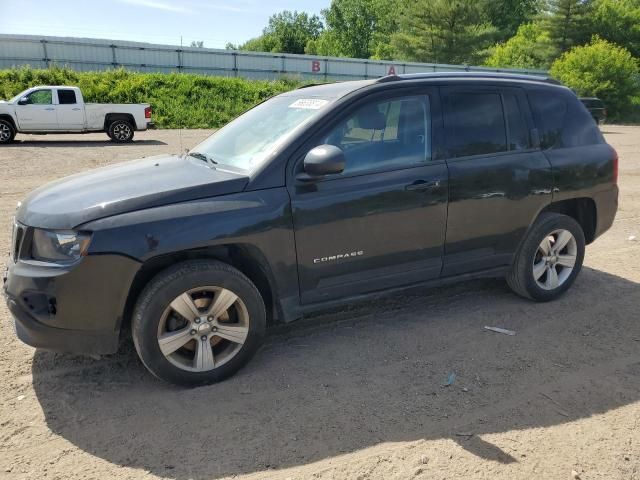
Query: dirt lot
{"points": [[350, 394]]}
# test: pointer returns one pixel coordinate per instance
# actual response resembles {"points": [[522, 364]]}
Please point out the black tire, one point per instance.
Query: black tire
{"points": [[120, 131], [168, 286], [521, 278], [7, 131]]}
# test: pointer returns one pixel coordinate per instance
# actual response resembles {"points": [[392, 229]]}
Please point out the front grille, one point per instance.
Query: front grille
{"points": [[17, 239]]}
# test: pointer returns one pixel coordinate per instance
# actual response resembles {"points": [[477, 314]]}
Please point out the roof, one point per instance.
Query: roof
{"points": [[330, 90], [340, 89], [474, 75]]}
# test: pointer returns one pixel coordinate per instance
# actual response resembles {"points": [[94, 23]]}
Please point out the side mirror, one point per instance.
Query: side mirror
{"points": [[322, 160], [23, 101]]}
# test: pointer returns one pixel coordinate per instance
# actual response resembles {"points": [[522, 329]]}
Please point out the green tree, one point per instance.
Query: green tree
{"points": [[358, 27], [326, 44], [287, 32], [531, 47], [567, 22], [600, 69], [443, 31], [508, 15], [617, 21]]}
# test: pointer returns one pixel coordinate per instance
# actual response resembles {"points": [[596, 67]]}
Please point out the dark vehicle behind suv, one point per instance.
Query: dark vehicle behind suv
{"points": [[314, 198], [596, 108]]}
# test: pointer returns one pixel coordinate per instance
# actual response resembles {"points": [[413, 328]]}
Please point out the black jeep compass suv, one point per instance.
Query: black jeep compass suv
{"points": [[315, 197]]}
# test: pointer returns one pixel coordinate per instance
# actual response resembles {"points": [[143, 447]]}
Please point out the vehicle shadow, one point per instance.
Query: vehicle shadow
{"points": [[82, 143], [350, 379]]}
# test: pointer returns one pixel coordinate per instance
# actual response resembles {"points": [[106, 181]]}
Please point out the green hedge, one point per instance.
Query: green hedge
{"points": [[178, 100]]}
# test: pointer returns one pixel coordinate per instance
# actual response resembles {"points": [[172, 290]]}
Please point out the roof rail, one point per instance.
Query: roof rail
{"points": [[508, 76]]}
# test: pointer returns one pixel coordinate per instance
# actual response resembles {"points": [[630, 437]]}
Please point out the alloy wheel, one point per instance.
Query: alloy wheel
{"points": [[5, 132], [555, 259], [203, 328], [122, 131]]}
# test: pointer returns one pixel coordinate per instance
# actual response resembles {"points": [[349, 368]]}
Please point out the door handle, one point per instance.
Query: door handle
{"points": [[75, 109], [422, 185], [49, 109]]}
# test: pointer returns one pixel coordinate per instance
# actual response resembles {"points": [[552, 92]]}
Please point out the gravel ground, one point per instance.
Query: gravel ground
{"points": [[356, 393]]}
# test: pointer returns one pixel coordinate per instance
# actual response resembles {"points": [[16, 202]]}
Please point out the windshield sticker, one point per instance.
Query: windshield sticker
{"points": [[309, 103]]}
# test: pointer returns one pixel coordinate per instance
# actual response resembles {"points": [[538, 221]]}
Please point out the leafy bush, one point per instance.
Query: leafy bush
{"points": [[601, 69], [178, 100], [530, 47]]}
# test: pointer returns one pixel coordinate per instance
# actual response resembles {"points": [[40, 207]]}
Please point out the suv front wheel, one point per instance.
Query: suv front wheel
{"points": [[198, 323], [549, 259]]}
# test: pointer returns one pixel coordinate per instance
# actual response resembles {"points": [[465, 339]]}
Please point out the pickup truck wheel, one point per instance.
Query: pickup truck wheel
{"points": [[7, 132], [120, 131], [549, 259], [198, 323]]}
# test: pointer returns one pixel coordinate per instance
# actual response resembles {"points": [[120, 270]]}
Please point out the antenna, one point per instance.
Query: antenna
{"points": [[182, 150]]}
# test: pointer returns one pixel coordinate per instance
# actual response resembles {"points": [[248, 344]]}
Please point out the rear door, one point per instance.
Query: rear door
{"points": [[380, 223], [39, 112], [70, 112], [498, 177]]}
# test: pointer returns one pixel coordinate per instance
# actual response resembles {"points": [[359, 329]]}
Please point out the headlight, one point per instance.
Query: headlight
{"points": [[59, 246]]}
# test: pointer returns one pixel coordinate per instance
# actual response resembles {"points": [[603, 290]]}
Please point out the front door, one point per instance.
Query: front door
{"points": [[380, 223], [38, 112]]}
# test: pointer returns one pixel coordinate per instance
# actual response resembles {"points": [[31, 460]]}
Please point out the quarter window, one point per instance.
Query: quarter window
{"points": [[383, 135], [66, 97], [40, 97], [475, 124]]}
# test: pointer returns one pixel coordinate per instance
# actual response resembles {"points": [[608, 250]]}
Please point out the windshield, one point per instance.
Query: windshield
{"points": [[254, 137]]}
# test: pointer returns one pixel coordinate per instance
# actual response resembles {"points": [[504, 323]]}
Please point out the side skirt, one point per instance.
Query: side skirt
{"points": [[295, 312]]}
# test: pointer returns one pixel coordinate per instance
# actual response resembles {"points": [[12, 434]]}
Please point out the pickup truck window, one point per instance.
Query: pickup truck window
{"points": [[40, 97], [385, 134], [252, 138], [66, 97], [474, 123]]}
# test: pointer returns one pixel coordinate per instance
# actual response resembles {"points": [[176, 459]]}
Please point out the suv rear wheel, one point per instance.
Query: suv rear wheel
{"points": [[198, 323], [549, 259]]}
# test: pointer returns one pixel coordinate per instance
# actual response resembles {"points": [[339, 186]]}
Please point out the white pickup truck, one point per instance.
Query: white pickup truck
{"points": [[55, 109]]}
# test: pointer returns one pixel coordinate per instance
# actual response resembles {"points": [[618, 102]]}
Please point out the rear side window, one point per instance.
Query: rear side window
{"points": [[66, 97], [562, 120], [474, 123]]}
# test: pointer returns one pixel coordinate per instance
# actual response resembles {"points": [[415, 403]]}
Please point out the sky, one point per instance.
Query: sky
{"points": [[216, 22]]}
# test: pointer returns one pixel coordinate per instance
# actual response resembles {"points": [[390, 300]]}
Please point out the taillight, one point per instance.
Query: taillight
{"points": [[147, 112], [615, 166]]}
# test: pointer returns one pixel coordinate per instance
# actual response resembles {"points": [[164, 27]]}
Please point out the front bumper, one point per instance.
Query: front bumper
{"points": [[76, 309]]}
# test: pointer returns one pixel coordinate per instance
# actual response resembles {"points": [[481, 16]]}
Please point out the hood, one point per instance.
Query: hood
{"points": [[125, 187]]}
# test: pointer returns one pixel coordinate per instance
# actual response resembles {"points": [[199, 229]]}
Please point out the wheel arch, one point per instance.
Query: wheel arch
{"points": [[583, 210], [112, 117], [10, 119], [247, 258]]}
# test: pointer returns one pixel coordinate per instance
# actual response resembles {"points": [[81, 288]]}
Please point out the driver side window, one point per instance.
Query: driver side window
{"points": [[387, 134], [40, 97]]}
